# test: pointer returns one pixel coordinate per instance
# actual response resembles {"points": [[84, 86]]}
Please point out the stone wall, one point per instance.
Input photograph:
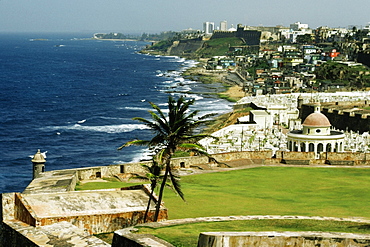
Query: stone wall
{"points": [[345, 156], [97, 211], [12, 238], [19, 234], [7, 206], [217, 34], [343, 120], [123, 238], [364, 57], [98, 172], [103, 223], [295, 155], [277, 239], [22, 211], [182, 162], [187, 162]]}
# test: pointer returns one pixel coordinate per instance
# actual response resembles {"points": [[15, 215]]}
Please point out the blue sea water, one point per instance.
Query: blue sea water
{"points": [[75, 98]]}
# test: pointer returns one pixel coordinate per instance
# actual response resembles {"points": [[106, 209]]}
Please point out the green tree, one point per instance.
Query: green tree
{"points": [[174, 131], [304, 39]]}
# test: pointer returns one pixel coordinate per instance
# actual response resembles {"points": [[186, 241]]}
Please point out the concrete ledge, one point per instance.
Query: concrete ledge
{"points": [[17, 234], [295, 162], [341, 162], [124, 238], [277, 239]]}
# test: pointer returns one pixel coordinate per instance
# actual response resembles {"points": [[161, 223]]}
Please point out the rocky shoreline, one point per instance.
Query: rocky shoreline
{"points": [[233, 92]]}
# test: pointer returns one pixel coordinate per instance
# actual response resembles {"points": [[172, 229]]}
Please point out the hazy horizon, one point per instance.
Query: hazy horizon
{"points": [[152, 17]]}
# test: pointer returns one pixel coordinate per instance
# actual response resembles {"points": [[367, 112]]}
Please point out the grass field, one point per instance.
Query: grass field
{"points": [[306, 191], [337, 192]]}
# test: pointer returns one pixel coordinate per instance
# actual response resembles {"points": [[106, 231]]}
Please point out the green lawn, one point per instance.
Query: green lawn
{"points": [[306, 191], [106, 183], [337, 192]]}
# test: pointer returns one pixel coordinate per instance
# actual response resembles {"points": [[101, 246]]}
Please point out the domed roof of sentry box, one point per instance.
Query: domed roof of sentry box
{"points": [[38, 157], [316, 119]]}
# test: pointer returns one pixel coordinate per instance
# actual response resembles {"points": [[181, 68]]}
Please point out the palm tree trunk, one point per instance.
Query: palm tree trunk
{"points": [[150, 199], [161, 190]]}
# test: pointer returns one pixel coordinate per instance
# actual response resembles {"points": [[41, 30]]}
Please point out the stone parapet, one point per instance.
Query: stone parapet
{"points": [[17, 233], [277, 239], [126, 237]]}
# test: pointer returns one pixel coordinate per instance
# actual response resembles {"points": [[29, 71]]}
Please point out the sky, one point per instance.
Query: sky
{"points": [[138, 16]]}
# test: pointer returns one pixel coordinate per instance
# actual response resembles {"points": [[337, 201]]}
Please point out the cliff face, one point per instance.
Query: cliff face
{"points": [[185, 47]]}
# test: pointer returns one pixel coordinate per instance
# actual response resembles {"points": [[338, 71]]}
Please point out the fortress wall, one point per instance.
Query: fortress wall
{"points": [[189, 161], [98, 172], [134, 167], [343, 120], [7, 206], [223, 157], [264, 156], [23, 212], [217, 34], [277, 239], [18, 234], [345, 156], [103, 223], [295, 155], [11, 237]]}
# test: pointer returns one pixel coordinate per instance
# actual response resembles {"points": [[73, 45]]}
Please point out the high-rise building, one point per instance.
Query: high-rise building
{"points": [[223, 26], [208, 27]]}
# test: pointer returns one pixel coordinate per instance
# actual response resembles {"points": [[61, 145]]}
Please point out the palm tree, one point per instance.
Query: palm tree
{"points": [[154, 176], [171, 132]]}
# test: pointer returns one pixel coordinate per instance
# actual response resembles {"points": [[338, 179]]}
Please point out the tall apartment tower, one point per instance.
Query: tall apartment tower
{"points": [[208, 27], [223, 25]]}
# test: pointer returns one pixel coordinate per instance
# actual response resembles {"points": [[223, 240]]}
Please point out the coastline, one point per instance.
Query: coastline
{"points": [[115, 39], [232, 93]]}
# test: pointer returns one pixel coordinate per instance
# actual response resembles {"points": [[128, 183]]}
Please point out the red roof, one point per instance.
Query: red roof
{"points": [[316, 119]]}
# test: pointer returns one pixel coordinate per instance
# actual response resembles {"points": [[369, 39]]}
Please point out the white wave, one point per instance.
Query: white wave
{"points": [[114, 118], [134, 108], [181, 60], [180, 79], [168, 81], [143, 154], [175, 57], [191, 96], [121, 128]]}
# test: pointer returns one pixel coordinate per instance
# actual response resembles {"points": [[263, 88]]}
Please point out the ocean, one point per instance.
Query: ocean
{"points": [[74, 99]]}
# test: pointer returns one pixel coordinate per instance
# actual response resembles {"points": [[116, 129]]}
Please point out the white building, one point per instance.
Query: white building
{"points": [[298, 26], [208, 27], [223, 25], [316, 135]]}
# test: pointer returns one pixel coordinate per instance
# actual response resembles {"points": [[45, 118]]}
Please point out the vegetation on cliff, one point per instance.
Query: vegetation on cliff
{"points": [[210, 48], [334, 72], [218, 47]]}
